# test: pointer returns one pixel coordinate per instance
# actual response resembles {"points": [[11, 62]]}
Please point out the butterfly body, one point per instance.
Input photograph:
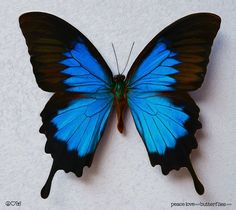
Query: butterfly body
{"points": [[155, 90], [120, 97]]}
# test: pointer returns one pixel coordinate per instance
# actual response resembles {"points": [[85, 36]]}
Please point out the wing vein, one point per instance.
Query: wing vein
{"points": [[89, 71]]}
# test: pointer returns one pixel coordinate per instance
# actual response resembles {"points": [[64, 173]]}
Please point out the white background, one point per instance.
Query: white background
{"points": [[121, 176]]}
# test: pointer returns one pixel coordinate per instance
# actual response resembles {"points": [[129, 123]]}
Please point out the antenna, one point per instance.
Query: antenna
{"points": [[128, 57], [117, 64]]}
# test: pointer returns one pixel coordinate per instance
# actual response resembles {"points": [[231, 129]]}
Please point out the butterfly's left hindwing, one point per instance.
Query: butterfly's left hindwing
{"points": [[166, 121], [65, 62], [172, 64]]}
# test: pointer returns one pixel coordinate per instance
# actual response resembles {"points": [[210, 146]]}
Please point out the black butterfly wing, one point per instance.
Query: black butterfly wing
{"points": [[172, 64], [65, 62]]}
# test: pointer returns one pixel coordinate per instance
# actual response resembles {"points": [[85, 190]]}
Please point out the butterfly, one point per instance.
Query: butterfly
{"points": [[85, 91]]}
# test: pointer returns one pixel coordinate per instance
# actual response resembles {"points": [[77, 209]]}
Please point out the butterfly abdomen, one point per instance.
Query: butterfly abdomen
{"points": [[119, 90]]}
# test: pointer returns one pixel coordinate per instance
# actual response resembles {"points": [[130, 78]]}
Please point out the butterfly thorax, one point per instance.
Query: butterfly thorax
{"points": [[119, 86], [119, 90]]}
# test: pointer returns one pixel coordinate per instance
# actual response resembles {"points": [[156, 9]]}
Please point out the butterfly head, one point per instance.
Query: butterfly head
{"points": [[119, 78]]}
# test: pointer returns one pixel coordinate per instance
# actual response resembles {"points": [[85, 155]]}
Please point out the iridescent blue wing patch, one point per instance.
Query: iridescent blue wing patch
{"points": [[172, 64], [65, 62]]}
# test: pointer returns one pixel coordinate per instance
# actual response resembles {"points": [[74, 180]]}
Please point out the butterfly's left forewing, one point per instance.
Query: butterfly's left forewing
{"points": [[172, 64], [65, 62]]}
